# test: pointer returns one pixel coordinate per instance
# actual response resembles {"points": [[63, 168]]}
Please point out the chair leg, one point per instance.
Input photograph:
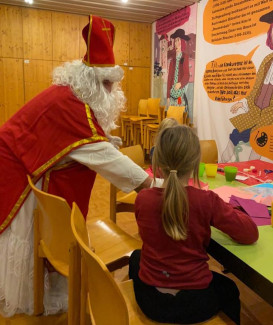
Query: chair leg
{"points": [[74, 285], [38, 275], [113, 199], [83, 293]]}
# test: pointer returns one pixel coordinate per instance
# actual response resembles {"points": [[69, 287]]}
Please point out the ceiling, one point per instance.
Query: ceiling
{"points": [[134, 10]]}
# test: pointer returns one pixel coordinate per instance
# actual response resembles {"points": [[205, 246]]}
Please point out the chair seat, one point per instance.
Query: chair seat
{"points": [[59, 265], [121, 243], [128, 198], [127, 117], [153, 126], [141, 118], [136, 316]]}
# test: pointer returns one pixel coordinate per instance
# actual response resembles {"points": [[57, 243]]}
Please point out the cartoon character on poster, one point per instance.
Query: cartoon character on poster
{"points": [[189, 88], [255, 124], [178, 74], [164, 65]]}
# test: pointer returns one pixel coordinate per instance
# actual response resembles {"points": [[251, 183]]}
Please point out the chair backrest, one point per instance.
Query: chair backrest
{"points": [[107, 303], [154, 107], [143, 107], [54, 225], [209, 151], [135, 153], [176, 112]]}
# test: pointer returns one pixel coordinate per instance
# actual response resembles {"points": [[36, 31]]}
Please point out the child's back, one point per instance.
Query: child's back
{"points": [[174, 224]]}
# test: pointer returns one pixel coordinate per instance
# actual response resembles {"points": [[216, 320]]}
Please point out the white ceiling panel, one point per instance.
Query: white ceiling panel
{"points": [[134, 10]]}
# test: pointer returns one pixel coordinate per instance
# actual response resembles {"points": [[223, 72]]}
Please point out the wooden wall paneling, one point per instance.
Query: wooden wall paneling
{"points": [[138, 87], [121, 43], [66, 36], [140, 45], [124, 83], [37, 34], [11, 86], [56, 64], [2, 93], [38, 76], [124, 87], [83, 22], [11, 36]]}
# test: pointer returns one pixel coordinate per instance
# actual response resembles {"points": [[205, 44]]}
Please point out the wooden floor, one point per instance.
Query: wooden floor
{"points": [[255, 311]]}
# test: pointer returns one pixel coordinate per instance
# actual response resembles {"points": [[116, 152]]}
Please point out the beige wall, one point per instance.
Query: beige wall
{"points": [[33, 42]]}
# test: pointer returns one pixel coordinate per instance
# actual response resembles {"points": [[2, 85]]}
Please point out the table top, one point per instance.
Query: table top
{"points": [[258, 256], [252, 264], [219, 180]]}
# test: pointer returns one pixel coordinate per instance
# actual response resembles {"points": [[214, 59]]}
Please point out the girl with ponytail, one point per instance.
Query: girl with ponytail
{"points": [[171, 276]]}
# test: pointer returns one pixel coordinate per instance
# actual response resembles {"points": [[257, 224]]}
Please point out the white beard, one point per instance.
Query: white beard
{"points": [[87, 85], [107, 106]]}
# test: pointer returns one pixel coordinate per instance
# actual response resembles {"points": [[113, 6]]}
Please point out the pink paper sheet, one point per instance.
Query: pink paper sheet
{"points": [[225, 192]]}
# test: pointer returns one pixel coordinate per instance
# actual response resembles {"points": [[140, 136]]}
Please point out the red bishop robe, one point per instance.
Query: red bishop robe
{"points": [[37, 137]]}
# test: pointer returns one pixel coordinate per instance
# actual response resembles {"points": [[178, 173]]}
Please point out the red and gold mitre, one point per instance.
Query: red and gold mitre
{"points": [[99, 36]]}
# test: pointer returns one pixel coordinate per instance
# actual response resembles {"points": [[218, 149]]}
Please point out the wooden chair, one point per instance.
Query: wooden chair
{"points": [[150, 130], [137, 123], [109, 302], [120, 201], [142, 111], [53, 239], [209, 151]]}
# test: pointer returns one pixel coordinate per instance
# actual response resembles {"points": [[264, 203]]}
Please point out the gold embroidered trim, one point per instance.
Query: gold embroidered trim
{"points": [[106, 29], [15, 207], [48, 173], [18, 204], [98, 65], [89, 36], [91, 124], [37, 172], [95, 137]]}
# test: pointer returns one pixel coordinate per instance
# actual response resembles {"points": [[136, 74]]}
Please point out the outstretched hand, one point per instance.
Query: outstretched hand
{"points": [[115, 141]]}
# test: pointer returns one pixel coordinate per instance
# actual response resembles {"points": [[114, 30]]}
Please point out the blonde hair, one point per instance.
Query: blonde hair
{"points": [[177, 155], [168, 122]]}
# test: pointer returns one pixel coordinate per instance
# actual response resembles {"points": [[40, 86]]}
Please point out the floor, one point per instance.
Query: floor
{"points": [[255, 311]]}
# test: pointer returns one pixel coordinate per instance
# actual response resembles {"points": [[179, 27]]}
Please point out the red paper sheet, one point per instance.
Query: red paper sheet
{"points": [[257, 177]]}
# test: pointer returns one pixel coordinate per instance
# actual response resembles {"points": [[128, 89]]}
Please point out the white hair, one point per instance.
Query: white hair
{"points": [[87, 85]]}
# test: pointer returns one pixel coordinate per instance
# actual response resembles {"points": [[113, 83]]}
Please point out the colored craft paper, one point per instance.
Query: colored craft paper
{"points": [[225, 192], [253, 178], [251, 207], [262, 191]]}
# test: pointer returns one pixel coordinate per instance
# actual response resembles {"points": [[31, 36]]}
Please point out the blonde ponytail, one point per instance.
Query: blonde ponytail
{"points": [[177, 154]]}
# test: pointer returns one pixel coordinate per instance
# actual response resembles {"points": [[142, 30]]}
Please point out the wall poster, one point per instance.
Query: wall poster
{"points": [[174, 58], [233, 96]]}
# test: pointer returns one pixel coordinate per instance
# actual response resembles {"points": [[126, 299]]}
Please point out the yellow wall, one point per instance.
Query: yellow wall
{"points": [[33, 42]]}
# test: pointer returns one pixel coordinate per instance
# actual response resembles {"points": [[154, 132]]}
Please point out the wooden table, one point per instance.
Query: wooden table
{"points": [[252, 264]]}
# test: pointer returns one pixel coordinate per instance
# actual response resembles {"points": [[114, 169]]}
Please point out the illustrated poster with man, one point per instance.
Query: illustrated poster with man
{"points": [[174, 59], [233, 95]]}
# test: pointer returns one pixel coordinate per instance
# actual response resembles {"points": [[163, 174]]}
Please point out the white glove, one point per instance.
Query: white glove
{"points": [[115, 141]]}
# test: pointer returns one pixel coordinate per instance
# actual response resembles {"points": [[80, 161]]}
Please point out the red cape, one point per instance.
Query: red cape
{"points": [[37, 137]]}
